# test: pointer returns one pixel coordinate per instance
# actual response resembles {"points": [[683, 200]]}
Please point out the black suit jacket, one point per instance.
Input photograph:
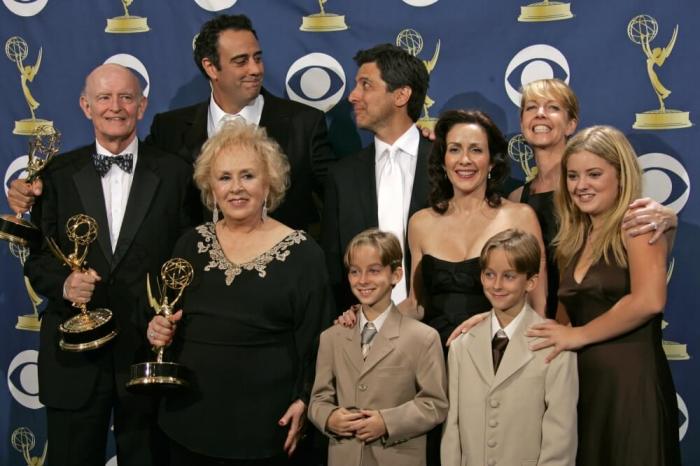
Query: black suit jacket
{"points": [[160, 206], [350, 206], [299, 129]]}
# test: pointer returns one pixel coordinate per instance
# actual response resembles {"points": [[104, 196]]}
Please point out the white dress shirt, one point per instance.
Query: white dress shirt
{"points": [[509, 329], [251, 114], [378, 321], [116, 185]]}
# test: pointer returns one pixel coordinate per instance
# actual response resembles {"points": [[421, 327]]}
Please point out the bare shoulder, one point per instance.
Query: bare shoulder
{"points": [[516, 195], [424, 218]]}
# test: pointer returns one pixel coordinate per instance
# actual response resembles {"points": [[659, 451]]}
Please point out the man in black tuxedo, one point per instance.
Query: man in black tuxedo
{"points": [[361, 192], [142, 200], [227, 52]]}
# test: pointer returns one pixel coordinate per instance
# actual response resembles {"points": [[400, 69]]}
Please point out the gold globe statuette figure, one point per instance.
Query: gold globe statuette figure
{"points": [[642, 29], [521, 152], [90, 329], [323, 21], [23, 441], [412, 42], [127, 24], [16, 50], [545, 11], [43, 146], [176, 274]]}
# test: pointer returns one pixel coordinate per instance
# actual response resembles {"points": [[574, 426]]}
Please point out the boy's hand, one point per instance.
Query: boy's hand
{"points": [[371, 427], [342, 422]]}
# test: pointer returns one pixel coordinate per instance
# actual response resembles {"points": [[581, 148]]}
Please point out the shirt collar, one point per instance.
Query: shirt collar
{"points": [[407, 142], [251, 113], [378, 322], [510, 328], [132, 148]]}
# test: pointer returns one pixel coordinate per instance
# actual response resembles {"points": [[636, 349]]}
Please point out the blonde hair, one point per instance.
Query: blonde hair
{"points": [[551, 89], [386, 243], [612, 146], [522, 249], [235, 136]]}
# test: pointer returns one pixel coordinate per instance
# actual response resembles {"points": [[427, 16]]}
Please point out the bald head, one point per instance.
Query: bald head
{"points": [[112, 98]]}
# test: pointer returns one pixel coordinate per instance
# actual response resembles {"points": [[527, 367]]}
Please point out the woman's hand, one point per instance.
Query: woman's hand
{"points": [[465, 326], [645, 215], [348, 318], [161, 329], [294, 418], [561, 337]]}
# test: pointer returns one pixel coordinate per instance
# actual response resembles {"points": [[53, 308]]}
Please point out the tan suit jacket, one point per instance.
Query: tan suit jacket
{"points": [[403, 377], [525, 414]]}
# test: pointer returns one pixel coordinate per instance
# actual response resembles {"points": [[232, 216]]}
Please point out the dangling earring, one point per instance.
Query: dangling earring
{"points": [[264, 210], [215, 214], [489, 175]]}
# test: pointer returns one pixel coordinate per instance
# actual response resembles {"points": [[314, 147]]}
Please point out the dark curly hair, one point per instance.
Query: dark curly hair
{"points": [[441, 190], [207, 43], [399, 68]]}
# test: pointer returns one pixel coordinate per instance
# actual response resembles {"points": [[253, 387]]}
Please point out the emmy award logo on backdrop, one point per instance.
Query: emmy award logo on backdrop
{"points": [[28, 322], [17, 51], [176, 274], [545, 11], [641, 30], [127, 24], [521, 152], [412, 42], [674, 351], [23, 441], [323, 21]]}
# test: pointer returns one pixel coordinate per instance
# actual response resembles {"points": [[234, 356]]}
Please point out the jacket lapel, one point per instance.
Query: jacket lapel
{"points": [[382, 343], [367, 187], [480, 350], [143, 188], [89, 187], [196, 134], [419, 193], [517, 352], [352, 347], [274, 120]]}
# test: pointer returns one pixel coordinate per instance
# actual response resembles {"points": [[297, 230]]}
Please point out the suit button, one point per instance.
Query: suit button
{"points": [[494, 403], [492, 462], [362, 387], [493, 423], [491, 443]]}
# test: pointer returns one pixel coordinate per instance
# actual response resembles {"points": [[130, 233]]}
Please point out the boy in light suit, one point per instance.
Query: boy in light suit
{"points": [[381, 385], [508, 406]]}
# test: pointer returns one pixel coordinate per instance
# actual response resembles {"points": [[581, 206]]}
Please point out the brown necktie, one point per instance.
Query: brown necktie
{"points": [[498, 347]]}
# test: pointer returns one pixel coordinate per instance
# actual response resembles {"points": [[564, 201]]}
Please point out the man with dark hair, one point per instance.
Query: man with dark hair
{"points": [[385, 183], [227, 52]]}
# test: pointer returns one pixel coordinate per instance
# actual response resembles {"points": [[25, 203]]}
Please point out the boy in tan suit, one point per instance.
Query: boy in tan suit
{"points": [[381, 385], [508, 406]]}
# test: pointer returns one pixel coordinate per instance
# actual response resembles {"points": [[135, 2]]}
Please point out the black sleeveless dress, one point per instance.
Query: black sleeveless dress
{"points": [[453, 293], [627, 409], [543, 205]]}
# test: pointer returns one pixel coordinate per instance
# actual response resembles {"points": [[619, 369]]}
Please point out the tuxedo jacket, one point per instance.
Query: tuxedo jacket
{"points": [[160, 206], [403, 377], [350, 207], [525, 414], [299, 130]]}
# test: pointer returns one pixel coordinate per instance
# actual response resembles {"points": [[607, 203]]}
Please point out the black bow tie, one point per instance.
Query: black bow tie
{"points": [[104, 162]]}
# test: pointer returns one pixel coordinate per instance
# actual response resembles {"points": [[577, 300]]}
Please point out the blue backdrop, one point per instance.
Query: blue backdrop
{"points": [[479, 53]]}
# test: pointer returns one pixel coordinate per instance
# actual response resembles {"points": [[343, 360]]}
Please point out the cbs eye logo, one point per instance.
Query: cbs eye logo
{"points": [[133, 63], [215, 5], [665, 180], [17, 169], [23, 379], [540, 61], [25, 7], [317, 80], [684, 417], [420, 3]]}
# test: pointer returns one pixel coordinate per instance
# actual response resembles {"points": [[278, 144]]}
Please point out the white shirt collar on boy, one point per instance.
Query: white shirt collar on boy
{"points": [[378, 322], [510, 328]]}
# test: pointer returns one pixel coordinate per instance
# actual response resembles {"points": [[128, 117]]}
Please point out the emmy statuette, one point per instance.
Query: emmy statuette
{"points": [[23, 441], [43, 145], [412, 42], [323, 21], [30, 322], [90, 329], [16, 50], [520, 151], [127, 24], [176, 274]]}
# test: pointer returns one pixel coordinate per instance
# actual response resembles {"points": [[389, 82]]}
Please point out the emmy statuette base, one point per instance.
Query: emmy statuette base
{"points": [[157, 376], [323, 22], [675, 351], [31, 126], [656, 119], [87, 331], [29, 322], [427, 122], [550, 11], [19, 231], [127, 25]]}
